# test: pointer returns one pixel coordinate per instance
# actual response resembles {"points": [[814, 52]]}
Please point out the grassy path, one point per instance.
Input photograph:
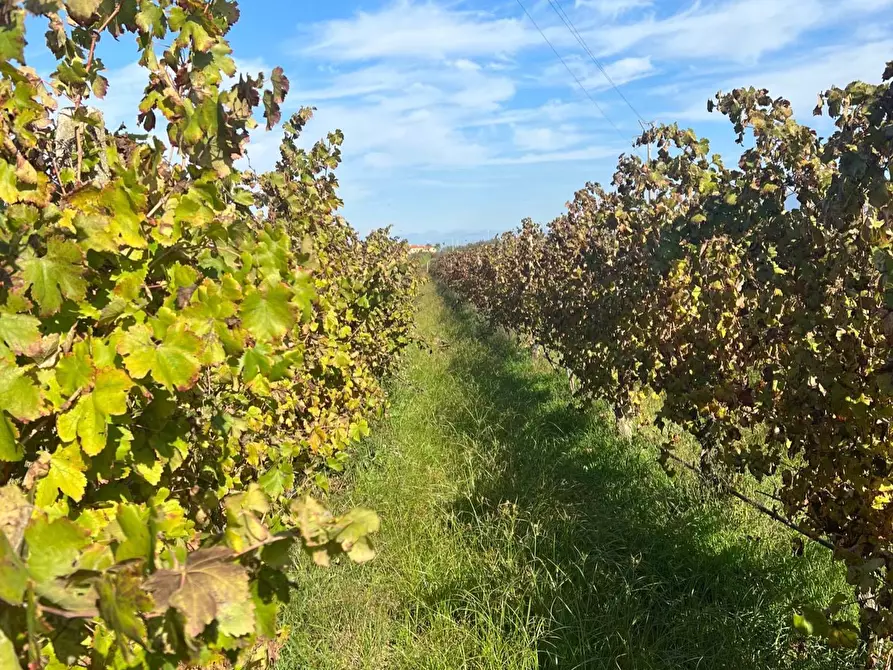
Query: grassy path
{"points": [[519, 533]]}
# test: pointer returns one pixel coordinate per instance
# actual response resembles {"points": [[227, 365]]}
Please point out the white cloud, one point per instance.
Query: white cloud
{"points": [[621, 71], [430, 84], [735, 30], [555, 111], [628, 69], [612, 7], [585, 154], [381, 137], [465, 64], [545, 138], [420, 30], [798, 80], [412, 114]]}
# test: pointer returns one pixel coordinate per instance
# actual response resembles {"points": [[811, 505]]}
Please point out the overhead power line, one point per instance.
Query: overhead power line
{"points": [[572, 73], [559, 10]]}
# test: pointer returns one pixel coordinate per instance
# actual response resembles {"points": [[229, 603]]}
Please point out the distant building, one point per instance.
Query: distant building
{"points": [[422, 249]]}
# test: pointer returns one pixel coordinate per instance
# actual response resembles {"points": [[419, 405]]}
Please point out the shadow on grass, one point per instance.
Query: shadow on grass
{"points": [[618, 565]]}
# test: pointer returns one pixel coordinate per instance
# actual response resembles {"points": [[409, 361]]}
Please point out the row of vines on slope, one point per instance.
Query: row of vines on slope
{"points": [[185, 347], [754, 297]]}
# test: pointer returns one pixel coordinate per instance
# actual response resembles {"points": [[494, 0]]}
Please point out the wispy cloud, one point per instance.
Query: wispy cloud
{"points": [[425, 30], [434, 94], [798, 79], [612, 8], [735, 30], [437, 86]]}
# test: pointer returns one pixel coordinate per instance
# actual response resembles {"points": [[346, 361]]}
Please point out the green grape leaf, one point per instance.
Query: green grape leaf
{"points": [[10, 449], [68, 593], [12, 37], [21, 332], [56, 275], [256, 361], [18, 394], [13, 575], [277, 480], [89, 419], [53, 547], [267, 314], [150, 19], [266, 613], [134, 523], [8, 658], [210, 586], [174, 363], [278, 554], [121, 601]]}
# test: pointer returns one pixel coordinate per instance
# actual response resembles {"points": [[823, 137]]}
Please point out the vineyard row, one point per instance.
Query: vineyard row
{"points": [[186, 348], [752, 303]]}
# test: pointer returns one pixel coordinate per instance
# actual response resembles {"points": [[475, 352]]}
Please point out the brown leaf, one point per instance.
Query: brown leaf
{"points": [[210, 586]]}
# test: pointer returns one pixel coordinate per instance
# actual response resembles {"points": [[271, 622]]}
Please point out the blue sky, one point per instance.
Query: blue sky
{"points": [[460, 120]]}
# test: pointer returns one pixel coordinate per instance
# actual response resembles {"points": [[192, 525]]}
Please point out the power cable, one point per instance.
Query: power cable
{"points": [[559, 10], [572, 73]]}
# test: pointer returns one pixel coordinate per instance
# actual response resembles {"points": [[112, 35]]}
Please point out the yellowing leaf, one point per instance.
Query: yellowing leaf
{"points": [[66, 475], [243, 512], [125, 217], [174, 363], [20, 332], [353, 538], [9, 193], [90, 417], [151, 472], [324, 535], [267, 314], [14, 514], [8, 657], [18, 394], [56, 275], [75, 371], [82, 10]]}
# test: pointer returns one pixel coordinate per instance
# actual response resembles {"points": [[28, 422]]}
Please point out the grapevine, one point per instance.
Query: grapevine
{"points": [[752, 299], [186, 348]]}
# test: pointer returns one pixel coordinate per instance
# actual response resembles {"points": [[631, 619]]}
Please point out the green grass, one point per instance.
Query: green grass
{"points": [[519, 532]]}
